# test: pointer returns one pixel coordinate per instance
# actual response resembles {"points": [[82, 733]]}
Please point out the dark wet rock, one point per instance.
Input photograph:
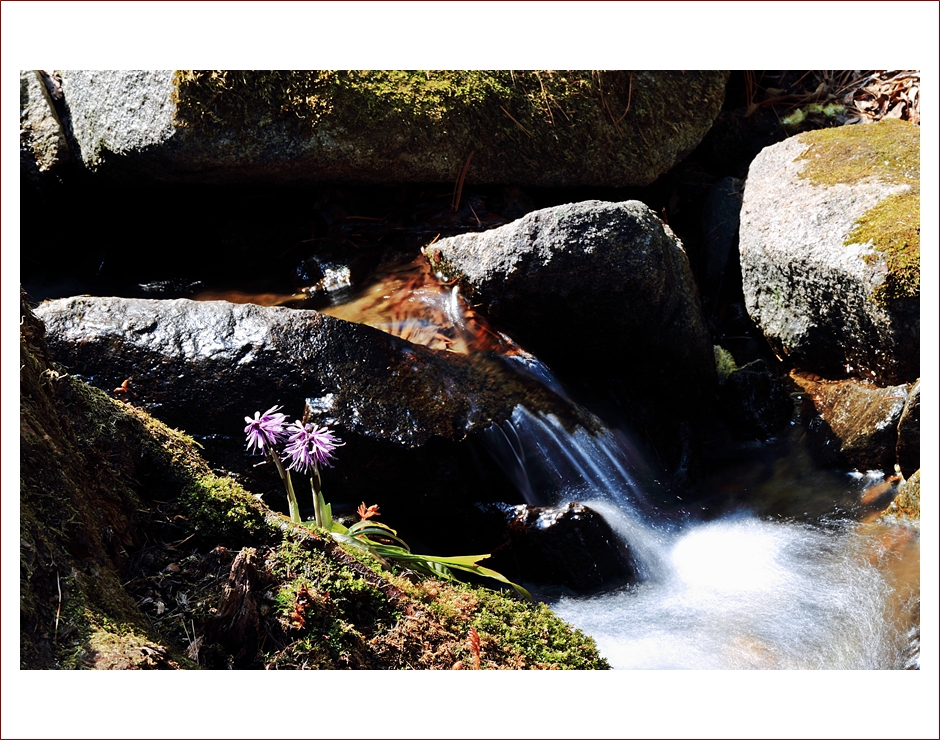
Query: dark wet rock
{"points": [[753, 399], [43, 148], [829, 249], [570, 545], [592, 287], [853, 422], [909, 433], [203, 365], [400, 407], [538, 128]]}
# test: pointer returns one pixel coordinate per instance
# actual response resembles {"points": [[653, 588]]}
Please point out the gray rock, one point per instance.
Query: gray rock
{"points": [[42, 139], [908, 448], [595, 285], [813, 295], [557, 129], [205, 365]]}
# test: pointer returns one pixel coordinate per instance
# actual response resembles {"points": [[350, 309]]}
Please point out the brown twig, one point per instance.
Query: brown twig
{"points": [[525, 130], [58, 612], [458, 188], [479, 223], [629, 98]]}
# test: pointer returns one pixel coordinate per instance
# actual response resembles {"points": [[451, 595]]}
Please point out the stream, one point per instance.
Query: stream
{"points": [[788, 581], [783, 573]]}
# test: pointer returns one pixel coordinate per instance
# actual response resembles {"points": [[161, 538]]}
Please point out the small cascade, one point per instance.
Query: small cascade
{"points": [[739, 592]]}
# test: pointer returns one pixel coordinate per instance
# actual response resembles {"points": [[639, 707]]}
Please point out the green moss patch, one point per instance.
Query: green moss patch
{"points": [[552, 123], [415, 103], [888, 151]]}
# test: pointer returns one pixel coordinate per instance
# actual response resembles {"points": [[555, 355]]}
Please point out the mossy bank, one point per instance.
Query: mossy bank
{"points": [[134, 554]]}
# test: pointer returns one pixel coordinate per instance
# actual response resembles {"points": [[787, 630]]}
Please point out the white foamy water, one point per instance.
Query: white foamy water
{"points": [[745, 593], [738, 592]]}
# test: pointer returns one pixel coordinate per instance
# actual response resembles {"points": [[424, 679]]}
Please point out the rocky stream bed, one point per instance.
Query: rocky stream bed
{"points": [[577, 321]]}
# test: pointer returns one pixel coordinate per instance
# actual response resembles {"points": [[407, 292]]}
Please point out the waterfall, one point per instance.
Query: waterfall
{"points": [[737, 592]]}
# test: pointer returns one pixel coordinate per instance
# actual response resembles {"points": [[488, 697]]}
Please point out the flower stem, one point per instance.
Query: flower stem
{"points": [[288, 486], [315, 485]]}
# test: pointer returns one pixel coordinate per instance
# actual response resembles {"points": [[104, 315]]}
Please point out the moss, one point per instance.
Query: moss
{"points": [[414, 102], [545, 120], [724, 362], [888, 151], [223, 511], [513, 633]]}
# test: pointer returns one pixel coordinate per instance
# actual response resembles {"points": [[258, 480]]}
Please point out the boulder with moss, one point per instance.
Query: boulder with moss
{"points": [[830, 250], [547, 128], [133, 554]]}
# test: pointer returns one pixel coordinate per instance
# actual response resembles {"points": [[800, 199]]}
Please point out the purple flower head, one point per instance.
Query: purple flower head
{"points": [[309, 446], [265, 431]]}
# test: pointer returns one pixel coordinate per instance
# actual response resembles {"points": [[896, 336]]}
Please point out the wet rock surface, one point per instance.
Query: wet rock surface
{"points": [[854, 423], [592, 285], [908, 448], [809, 284], [404, 411], [570, 545], [205, 365]]}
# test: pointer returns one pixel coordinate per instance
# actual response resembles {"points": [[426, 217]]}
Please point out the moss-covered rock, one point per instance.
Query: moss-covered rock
{"points": [[548, 127], [135, 555], [830, 250], [889, 152]]}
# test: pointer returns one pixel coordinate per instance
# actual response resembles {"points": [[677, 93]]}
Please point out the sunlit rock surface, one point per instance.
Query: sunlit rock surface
{"points": [[830, 250], [854, 423], [596, 286]]}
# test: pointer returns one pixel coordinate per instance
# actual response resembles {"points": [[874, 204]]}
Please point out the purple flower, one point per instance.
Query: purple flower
{"points": [[265, 431], [309, 446]]}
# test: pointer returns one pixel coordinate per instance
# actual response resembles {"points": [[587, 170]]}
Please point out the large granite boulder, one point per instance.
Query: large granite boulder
{"points": [[595, 287], [830, 250], [405, 411], [547, 128]]}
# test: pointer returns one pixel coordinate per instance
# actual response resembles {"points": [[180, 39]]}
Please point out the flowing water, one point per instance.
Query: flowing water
{"points": [[760, 587], [740, 591]]}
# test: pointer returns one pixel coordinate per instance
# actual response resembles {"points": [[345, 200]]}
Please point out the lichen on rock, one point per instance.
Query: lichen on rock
{"points": [[890, 152]]}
